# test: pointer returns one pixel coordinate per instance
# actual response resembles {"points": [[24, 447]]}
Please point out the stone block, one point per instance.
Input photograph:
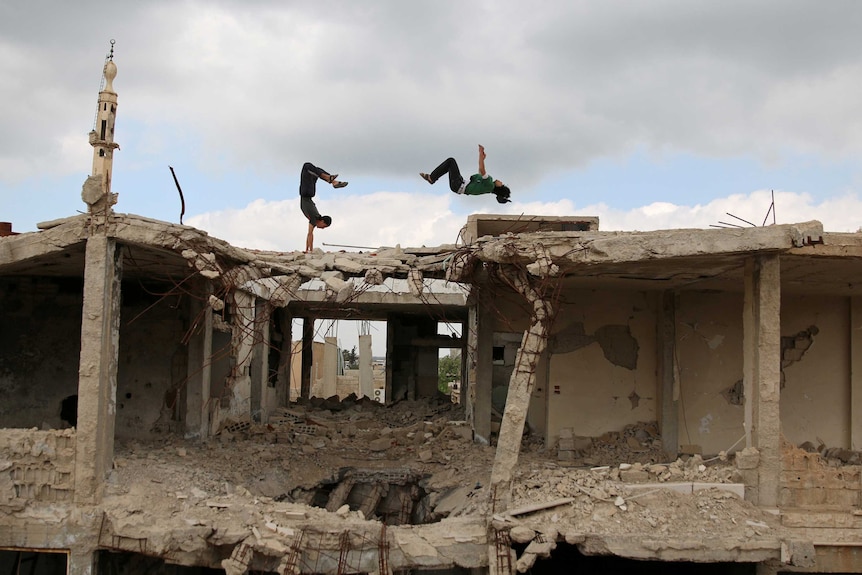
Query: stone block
{"points": [[634, 476], [567, 433], [804, 461], [525, 562], [521, 534], [691, 449], [541, 549], [748, 458], [750, 477], [798, 553], [380, 444], [565, 455], [842, 497], [809, 497], [785, 497]]}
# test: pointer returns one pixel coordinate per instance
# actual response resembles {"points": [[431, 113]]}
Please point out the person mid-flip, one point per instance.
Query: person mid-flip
{"points": [[480, 183], [307, 189]]}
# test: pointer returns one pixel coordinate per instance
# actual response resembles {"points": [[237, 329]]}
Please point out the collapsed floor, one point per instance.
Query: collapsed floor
{"points": [[314, 482]]}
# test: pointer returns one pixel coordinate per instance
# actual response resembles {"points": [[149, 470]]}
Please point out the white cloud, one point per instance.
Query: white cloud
{"points": [[414, 220], [368, 221]]}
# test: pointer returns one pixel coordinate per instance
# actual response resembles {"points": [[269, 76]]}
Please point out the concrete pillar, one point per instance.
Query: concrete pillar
{"points": [[366, 374], [97, 370], [856, 373], [480, 343], [330, 367], [242, 344], [199, 366], [339, 495], [261, 399], [81, 562], [307, 355], [666, 366], [372, 499], [762, 371], [286, 359]]}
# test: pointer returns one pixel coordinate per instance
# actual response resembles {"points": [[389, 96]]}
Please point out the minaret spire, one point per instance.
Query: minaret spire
{"points": [[96, 192]]}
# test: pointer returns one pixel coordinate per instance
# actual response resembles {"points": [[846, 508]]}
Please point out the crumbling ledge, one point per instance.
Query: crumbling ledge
{"points": [[706, 549]]}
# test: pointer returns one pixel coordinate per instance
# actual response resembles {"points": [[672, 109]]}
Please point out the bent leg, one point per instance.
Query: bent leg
{"points": [[451, 166], [308, 178]]}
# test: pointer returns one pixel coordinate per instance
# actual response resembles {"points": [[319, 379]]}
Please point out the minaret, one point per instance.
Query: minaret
{"points": [[96, 192]]}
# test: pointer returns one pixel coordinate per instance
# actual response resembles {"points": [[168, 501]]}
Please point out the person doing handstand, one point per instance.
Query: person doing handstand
{"points": [[307, 189], [480, 183]]}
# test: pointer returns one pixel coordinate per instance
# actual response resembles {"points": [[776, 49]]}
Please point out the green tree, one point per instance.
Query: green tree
{"points": [[448, 370], [351, 358]]}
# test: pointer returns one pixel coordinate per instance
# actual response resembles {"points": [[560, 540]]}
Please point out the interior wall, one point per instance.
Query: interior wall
{"points": [[602, 370], [40, 347], [150, 368], [709, 366], [815, 397]]}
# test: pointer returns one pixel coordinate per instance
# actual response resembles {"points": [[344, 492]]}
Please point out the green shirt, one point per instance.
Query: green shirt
{"points": [[479, 184]]}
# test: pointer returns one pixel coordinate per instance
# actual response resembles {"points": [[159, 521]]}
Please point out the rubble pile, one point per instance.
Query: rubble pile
{"points": [[636, 443], [833, 456], [327, 465]]}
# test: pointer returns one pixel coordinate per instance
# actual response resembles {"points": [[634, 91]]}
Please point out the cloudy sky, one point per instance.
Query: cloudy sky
{"points": [[650, 115], [647, 114]]}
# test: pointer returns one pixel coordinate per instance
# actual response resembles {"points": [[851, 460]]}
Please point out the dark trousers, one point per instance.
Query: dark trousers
{"points": [[451, 166], [308, 179]]}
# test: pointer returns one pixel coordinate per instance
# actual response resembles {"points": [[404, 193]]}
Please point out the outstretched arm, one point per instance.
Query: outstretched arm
{"points": [[481, 159], [309, 239]]}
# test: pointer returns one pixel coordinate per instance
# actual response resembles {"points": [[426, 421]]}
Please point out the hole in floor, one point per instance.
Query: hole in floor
{"points": [[393, 496]]}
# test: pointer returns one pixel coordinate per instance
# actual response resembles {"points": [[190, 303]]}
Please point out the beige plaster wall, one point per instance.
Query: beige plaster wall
{"points": [[709, 360], [587, 391], [815, 400]]}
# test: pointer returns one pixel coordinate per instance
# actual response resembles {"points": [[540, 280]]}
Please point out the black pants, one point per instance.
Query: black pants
{"points": [[308, 179], [451, 166]]}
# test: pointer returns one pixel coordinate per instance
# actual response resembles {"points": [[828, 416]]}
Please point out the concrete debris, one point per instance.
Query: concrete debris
{"points": [[254, 491], [374, 277]]}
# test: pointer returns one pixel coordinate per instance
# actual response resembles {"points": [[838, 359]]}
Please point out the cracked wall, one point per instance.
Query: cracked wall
{"points": [[816, 375], [709, 359], [818, 382], [602, 352]]}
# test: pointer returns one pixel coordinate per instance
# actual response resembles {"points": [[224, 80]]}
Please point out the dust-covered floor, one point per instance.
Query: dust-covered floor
{"points": [[308, 445]]}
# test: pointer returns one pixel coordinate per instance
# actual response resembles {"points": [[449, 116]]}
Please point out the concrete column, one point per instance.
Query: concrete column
{"points": [[366, 374], [856, 373], [330, 367], [97, 370], [199, 366], [286, 359], [261, 399], [666, 365], [242, 344], [81, 562], [762, 371], [307, 356], [480, 343]]}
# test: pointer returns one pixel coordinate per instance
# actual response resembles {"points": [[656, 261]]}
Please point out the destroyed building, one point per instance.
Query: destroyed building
{"points": [[639, 401]]}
